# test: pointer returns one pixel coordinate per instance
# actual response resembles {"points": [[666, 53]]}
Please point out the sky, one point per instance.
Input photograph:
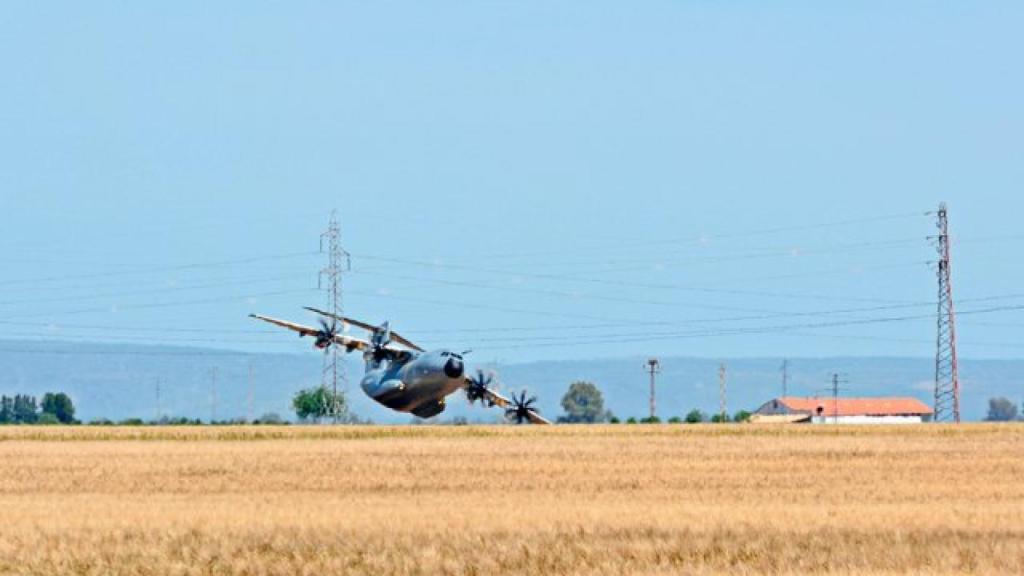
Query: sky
{"points": [[531, 180]]}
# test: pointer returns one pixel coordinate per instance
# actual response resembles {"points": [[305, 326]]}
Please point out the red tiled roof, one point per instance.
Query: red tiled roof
{"points": [[857, 406]]}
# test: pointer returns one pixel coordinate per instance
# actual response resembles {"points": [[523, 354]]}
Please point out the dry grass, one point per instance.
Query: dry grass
{"points": [[506, 500]]}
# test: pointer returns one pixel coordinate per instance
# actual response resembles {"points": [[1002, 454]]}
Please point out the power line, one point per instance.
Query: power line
{"points": [[150, 270], [216, 300], [649, 337], [78, 297], [609, 282], [746, 233]]}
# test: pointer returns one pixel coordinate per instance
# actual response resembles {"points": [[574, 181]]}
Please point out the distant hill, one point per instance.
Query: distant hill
{"points": [[119, 380]]}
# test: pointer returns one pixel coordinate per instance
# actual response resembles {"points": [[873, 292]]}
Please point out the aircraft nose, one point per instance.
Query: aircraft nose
{"points": [[453, 368]]}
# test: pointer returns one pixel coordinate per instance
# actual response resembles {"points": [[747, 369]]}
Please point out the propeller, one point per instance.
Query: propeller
{"points": [[520, 408], [325, 337], [379, 340], [478, 386]]}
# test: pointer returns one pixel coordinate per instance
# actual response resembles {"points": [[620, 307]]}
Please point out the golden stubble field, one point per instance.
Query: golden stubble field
{"points": [[710, 499]]}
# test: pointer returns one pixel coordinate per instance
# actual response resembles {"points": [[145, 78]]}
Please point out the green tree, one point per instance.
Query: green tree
{"points": [[1001, 410], [741, 416], [6, 409], [313, 404], [60, 406], [695, 416], [719, 418], [583, 403], [25, 409]]}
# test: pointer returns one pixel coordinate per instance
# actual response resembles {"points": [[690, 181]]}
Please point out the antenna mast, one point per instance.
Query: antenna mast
{"points": [[338, 260], [947, 377]]}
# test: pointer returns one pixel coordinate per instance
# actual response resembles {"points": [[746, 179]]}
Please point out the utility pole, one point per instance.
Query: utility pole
{"points": [[158, 410], [248, 396], [835, 398], [213, 394], [785, 377], [947, 374], [721, 393], [330, 280], [835, 388], [653, 367]]}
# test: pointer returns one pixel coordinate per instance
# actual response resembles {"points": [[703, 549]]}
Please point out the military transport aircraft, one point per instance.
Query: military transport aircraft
{"points": [[407, 378]]}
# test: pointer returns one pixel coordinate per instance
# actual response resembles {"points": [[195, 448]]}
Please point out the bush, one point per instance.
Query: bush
{"points": [[719, 418], [651, 420], [741, 416], [695, 416], [270, 418], [131, 422], [631, 420], [675, 420], [1001, 410], [614, 420]]}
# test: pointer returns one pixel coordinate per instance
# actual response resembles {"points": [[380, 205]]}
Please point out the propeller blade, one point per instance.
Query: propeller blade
{"points": [[520, 408]]}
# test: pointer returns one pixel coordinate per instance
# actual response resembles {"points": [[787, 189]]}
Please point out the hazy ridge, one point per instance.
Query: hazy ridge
{"points": [[119, 380]]}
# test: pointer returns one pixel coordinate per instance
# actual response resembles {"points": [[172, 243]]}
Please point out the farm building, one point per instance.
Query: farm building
{"points": [[844, 411]]}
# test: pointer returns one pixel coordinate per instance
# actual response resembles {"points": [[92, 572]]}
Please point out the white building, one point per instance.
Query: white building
{"points": [[844, 411]]}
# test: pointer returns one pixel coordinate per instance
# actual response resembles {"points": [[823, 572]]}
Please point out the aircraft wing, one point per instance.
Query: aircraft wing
{"points": [[496, 399], [395, 336], [340, 339]]}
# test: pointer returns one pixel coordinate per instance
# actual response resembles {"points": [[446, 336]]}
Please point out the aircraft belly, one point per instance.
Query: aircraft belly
{"points": [[418, 393]]}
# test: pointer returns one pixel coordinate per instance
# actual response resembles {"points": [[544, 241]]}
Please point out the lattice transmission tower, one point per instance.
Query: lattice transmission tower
{"points": [[652, 367], [330, 280], [947, 376]]}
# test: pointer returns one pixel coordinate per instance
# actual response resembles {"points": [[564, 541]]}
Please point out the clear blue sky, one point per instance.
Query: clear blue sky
{"points": [[562, 177]]}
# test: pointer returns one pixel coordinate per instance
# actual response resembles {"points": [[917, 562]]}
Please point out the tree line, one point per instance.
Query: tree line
{"points": [[55, 408], [583, 403]]}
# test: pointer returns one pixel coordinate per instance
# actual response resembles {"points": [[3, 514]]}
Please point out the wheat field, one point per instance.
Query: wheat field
{"points": [[645, 499]]}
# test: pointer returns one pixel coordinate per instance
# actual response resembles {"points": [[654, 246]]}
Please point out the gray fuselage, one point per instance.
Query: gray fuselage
{"points": [[414, 383]]}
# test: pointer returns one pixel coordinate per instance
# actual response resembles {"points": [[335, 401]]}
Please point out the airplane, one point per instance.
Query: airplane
{"points": [[406, 378]]}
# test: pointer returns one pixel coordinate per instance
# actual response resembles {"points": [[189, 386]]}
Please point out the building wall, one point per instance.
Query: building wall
{"points": [[902, 419]]}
